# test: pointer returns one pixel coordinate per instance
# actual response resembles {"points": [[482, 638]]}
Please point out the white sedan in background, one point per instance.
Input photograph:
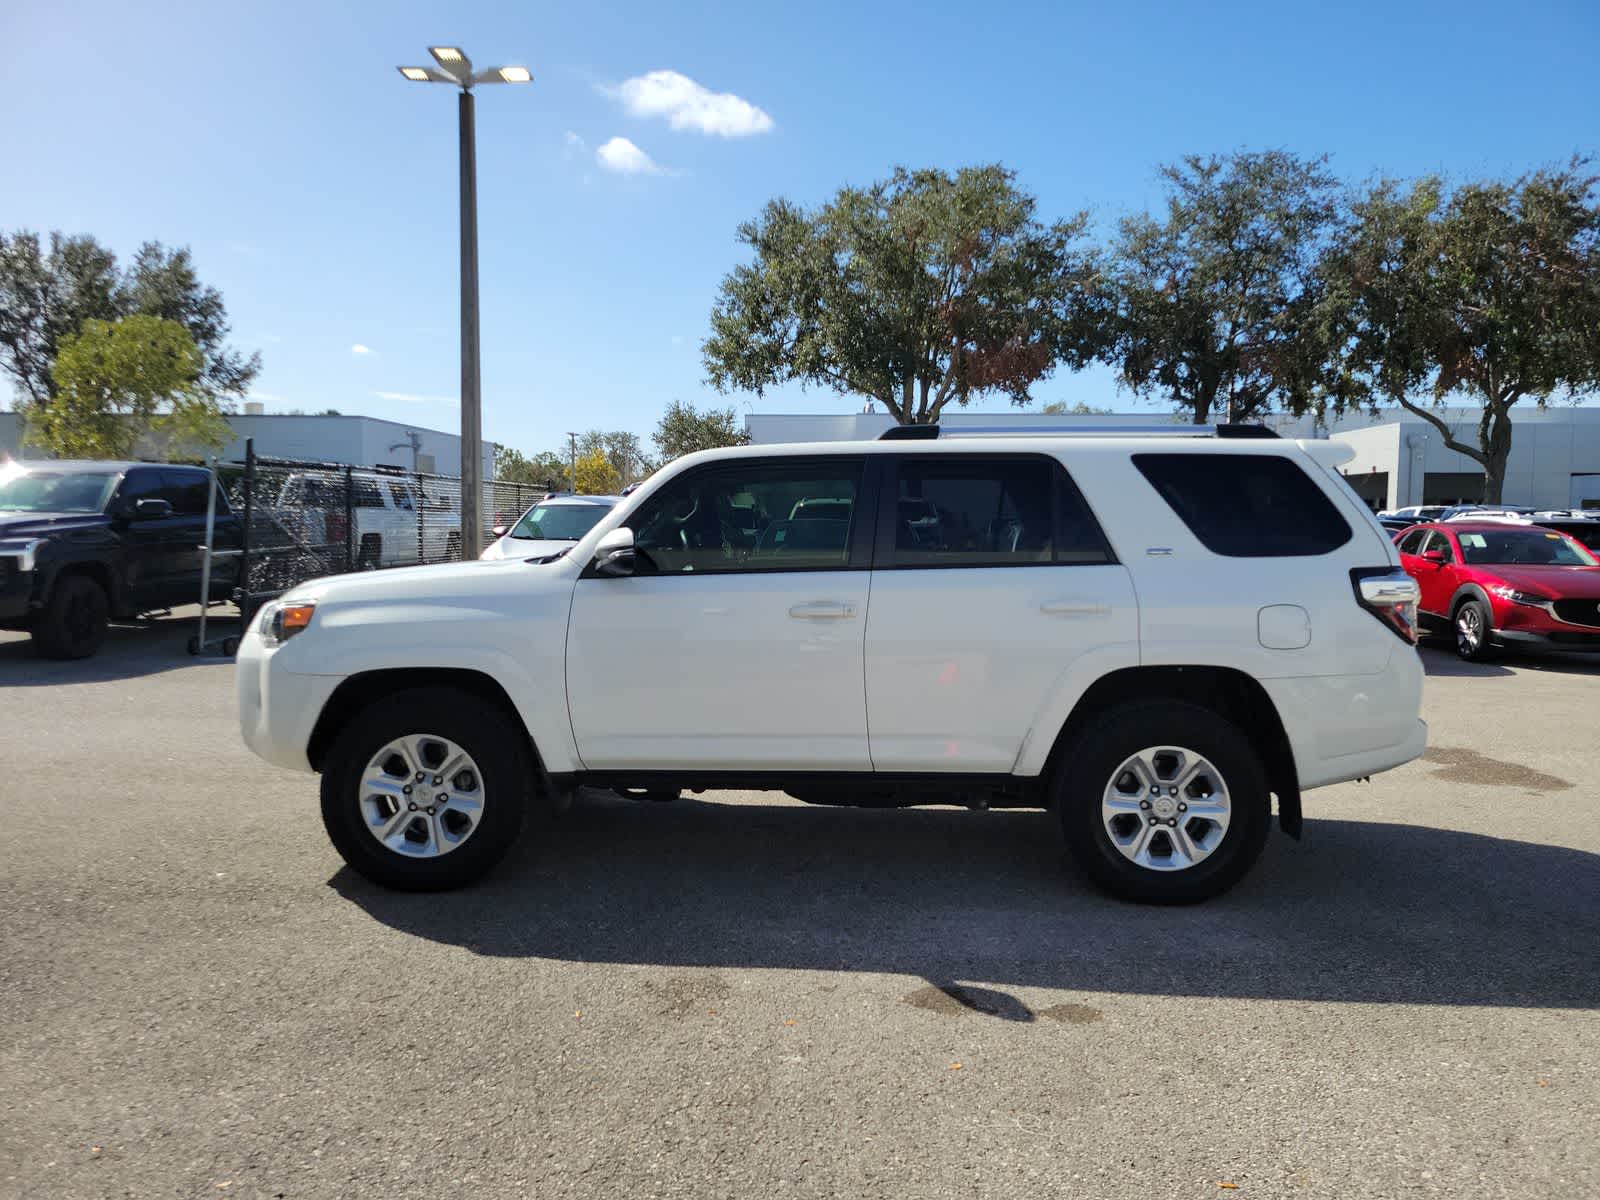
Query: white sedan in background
{"points": [[551, 527]]}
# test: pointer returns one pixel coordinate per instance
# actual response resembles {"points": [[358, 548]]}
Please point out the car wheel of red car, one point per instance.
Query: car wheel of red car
{"points": [[1474, 625]]}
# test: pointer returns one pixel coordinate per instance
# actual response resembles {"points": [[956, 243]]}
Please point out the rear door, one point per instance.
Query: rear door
{"points": [[991, 578]]}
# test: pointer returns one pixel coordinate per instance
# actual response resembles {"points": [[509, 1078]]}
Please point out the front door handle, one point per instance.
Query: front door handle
{"points": [[823, 610], [1075, 607]]}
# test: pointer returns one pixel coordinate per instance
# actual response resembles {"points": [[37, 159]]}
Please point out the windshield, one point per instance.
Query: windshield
{"points": [[1525, 547], [559, 522], [56, 491]]}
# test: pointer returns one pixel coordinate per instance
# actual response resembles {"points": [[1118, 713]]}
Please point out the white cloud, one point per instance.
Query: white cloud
{"points": [[417, 398], [687, 105], [619, 154], [358, 348]]}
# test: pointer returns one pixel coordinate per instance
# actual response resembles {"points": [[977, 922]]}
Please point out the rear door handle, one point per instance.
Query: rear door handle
{"points": [[1075, 607], [823, 610]]}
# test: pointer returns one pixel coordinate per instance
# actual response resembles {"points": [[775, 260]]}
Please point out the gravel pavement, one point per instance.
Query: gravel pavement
{"points": [[744, 996]]}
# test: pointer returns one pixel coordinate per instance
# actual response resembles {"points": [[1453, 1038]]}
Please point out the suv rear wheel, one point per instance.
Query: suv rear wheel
{"points": [[1163, 803], [426, 789], [73, 624]]}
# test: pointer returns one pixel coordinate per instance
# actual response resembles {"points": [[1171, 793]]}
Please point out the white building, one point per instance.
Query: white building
{"points": [[360, 441], [1400, 458]]}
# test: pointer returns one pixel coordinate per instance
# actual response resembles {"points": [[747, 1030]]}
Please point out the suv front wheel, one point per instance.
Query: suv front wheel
{"points": [[426, 789], [1163, 803]]}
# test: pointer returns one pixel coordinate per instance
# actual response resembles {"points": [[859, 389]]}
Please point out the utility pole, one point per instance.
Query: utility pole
{"points": [[572, 439]]}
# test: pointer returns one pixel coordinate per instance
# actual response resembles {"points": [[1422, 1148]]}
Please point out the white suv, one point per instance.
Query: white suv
{"points": [[1152, 636]]}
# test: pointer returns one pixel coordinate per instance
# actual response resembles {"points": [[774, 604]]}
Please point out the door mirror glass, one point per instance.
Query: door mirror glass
{"points": [[151, 509], [614, 556]]}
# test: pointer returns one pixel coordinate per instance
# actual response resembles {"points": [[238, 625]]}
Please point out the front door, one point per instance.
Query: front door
{"points": [[737, 644]]}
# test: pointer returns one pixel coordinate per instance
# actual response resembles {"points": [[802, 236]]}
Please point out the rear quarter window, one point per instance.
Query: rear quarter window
{"points": [[1247, 505]]}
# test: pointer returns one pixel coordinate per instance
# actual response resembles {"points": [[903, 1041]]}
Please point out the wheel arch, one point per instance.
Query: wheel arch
{"points": [[360, 690], [1226, 690], [1470, 591], [96, 570]]}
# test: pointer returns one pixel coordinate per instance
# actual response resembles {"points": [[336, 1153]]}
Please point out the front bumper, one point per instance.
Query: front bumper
{"points": [[16, 590], [1531, 639], [278, 708]]}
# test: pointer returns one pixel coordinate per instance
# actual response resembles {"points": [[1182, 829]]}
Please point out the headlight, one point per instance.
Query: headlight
{"points": [[1506, 592], [280, 621]]}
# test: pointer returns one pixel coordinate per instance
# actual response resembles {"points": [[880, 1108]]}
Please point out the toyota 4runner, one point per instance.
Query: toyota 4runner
{"points": [[1153, 636]]}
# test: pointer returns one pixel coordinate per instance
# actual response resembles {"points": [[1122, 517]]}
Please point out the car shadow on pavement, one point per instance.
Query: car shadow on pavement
{"points": [[130, 650], [1358, 911], [1440, 661]]}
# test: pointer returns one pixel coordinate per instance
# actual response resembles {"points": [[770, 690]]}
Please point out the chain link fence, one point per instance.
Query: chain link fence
{"points": [[302, 520]]}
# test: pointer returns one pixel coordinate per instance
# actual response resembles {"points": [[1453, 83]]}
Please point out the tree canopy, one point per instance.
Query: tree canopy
{"points": [[1214, 298], [48, 292], [683, 429], [596, 474], [1489, 291], [115, 382], [922, 290]]}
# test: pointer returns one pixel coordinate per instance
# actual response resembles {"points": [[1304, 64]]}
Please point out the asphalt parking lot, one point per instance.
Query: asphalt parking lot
{"points": [[742, 995]]}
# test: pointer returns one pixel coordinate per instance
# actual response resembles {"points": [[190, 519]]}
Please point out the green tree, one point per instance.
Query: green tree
{"points": [[117, 382], [683, 429], [621, 450], [545, 469], [1058, 408], [1489, 291], [1215, 298], [47, 294], [915, 292], [596, 475]]}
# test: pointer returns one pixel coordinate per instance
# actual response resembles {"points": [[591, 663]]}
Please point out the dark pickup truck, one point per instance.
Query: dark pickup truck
{"points": [[82, 543]]}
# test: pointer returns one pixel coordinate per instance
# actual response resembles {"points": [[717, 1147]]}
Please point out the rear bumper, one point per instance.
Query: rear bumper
{"points": [[1349, 726]]}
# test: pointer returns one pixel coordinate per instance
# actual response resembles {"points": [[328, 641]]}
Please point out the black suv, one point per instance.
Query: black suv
{"points": [[83, 542]]}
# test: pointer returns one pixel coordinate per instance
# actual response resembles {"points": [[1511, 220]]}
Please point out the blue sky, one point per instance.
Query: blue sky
{"points": [[317, 188]]}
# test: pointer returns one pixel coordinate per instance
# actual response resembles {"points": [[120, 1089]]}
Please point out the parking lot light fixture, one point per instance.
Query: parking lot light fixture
{"points": [[455, 68]]}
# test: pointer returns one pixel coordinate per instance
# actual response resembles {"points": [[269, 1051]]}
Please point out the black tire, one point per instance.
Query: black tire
{"points": [[1472, 630], [230, 647], [369, 553], [452, 547], [74, 622], [1102, 747], [495, 742]]}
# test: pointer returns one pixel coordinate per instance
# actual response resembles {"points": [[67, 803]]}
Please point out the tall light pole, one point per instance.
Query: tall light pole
{"points": [[572, 440], [456, 68]]}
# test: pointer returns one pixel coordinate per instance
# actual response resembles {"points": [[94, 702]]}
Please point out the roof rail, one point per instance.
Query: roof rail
{"points": [[909, 433], [1231, 430]]}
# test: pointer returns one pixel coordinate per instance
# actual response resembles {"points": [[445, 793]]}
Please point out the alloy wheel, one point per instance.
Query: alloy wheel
{"points": [[1469, 630], [1166, 808], [421, 795]]}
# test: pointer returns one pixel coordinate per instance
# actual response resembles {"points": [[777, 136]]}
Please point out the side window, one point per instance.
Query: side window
{"points": [[973, 510], [1438, 540], [756, 515], [187, 490], [139, 485], [401, 495], [1246, 505], [1412, 542], [366, 492]]}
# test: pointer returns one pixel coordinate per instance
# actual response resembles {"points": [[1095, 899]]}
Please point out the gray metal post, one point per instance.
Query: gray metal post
{"points": [[471, 413]]}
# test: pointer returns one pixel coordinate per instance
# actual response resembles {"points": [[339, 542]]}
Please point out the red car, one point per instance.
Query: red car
{"points": [[1504, 583]]}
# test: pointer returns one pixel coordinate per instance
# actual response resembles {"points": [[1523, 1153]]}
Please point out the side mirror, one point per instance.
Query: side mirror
{"points": [[1434, 556], [151, 509], [614, 556], [499, 531]]}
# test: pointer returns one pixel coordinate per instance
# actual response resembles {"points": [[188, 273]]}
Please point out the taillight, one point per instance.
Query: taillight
{"points": [[1391, 595]]}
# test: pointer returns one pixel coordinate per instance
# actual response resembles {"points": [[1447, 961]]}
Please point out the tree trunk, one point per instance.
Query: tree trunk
{"points": [[1494, 435]]}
